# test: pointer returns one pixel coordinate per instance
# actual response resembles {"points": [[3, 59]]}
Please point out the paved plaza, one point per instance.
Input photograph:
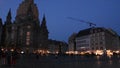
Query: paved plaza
{"points": [[31, 61]]}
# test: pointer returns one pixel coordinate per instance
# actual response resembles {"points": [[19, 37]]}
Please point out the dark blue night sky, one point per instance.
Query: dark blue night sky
{"points": [[104, 13]]}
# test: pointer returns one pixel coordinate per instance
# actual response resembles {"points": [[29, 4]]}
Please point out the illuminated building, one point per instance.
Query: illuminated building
{"points": [[57, 46], [97, 38]]}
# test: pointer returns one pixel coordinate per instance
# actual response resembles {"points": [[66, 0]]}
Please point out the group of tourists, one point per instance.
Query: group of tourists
{"points": [[8, 57]]}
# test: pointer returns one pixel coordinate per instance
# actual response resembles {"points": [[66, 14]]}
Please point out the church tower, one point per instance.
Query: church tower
{"points": [[7, 31], [8, 18], [44, 34], [44, 30]]}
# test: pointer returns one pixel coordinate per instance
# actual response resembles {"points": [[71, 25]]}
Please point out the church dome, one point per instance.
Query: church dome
{"points": [[23, 9]]}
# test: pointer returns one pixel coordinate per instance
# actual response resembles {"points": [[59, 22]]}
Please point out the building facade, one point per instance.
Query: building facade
{"points": [[83, 43], [56, 47], [26, 32], [72, 43], [97, 38]]}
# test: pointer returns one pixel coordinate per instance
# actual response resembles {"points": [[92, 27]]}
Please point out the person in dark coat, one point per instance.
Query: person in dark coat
{"points": [[14, 57], [0, 53], [8, 56]]}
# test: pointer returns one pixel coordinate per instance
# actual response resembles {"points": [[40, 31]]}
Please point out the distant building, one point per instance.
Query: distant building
{"points": [[97, 38], [72, 42], [1, 31], [26, 33], [57, 46]]}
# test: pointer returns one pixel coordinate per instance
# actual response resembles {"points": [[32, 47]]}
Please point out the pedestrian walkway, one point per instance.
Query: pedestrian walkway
{"points": [[30, 61]]}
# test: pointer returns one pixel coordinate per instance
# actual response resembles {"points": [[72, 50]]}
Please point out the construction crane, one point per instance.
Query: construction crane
{"points": [[90, 23]]}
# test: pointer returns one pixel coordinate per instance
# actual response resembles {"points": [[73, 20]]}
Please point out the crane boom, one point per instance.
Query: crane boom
{"points": [[90, 23]]}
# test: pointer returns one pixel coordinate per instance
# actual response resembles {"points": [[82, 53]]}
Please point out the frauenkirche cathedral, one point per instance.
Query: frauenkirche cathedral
{"points": [[26, 32]]}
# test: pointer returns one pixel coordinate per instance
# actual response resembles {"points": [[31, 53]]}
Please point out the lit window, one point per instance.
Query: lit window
{"points": [[28, 39], [28, 33], [27, 43]]}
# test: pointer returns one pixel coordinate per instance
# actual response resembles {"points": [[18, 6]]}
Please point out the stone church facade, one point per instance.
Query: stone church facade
{"points": [[26, 32]]}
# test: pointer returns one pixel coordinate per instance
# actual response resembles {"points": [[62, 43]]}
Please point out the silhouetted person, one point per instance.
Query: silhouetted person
{"points": [[37, 56], [3, 57], [8, 57], [14, 57]]}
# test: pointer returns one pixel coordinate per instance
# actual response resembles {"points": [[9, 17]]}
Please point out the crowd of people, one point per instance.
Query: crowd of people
{"points": [[8, 57]]}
